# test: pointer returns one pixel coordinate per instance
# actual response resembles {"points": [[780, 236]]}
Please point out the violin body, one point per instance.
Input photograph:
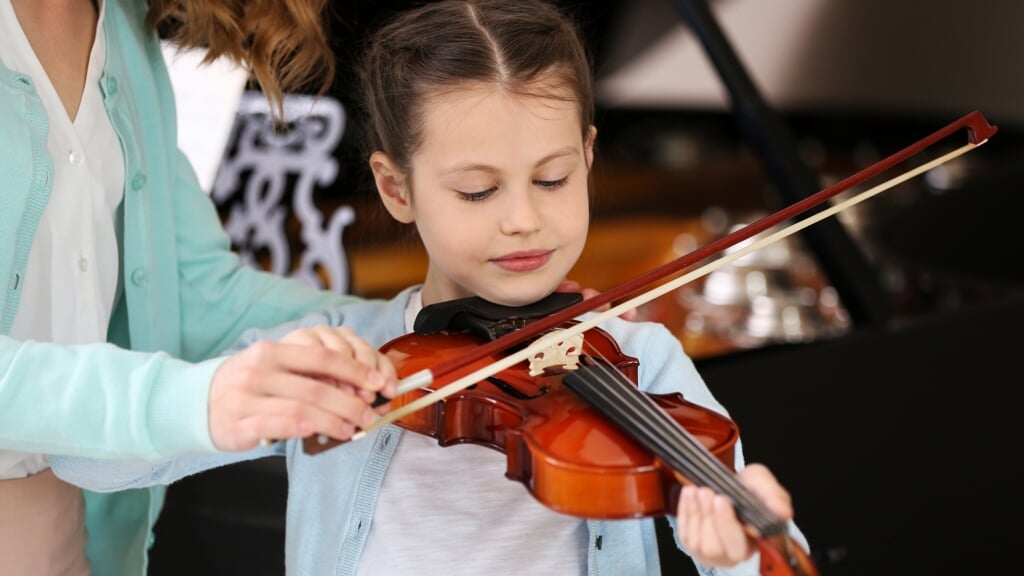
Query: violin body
{"points": [[569, 456]]}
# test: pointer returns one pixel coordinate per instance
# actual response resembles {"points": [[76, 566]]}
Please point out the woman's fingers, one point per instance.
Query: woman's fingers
{"points": [[282, 390], [344, 341]]}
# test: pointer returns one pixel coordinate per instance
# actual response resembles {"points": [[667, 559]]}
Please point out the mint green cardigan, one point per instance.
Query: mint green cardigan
{"points": [[185, 297]]}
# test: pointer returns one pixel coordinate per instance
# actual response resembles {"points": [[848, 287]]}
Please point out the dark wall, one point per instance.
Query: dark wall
{"points": [[897, 446]]}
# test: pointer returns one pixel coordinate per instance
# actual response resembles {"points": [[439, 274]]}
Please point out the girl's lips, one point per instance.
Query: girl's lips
{"points": [[523, 261]]}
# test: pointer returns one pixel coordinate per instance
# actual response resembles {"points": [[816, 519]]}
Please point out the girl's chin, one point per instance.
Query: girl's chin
{"points": [[515, 299], [522, 293]]}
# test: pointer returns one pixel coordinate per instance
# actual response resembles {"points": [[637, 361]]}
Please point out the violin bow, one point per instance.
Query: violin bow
{"points": [[636, 292]]}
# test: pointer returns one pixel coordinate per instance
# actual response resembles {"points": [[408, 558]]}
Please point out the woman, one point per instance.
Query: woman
{"points": [[121, 289]]}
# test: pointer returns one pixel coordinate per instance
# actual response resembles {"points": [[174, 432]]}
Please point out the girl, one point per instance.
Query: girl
{"points": [[481, 121]]}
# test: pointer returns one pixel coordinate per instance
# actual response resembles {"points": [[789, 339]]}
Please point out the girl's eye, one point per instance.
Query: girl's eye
{"points": [[551, 184], [484, 194], [476, 196]]}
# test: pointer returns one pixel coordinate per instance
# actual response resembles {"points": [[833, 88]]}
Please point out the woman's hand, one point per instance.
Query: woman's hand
{"points": [[707, 524], [319, 380]]}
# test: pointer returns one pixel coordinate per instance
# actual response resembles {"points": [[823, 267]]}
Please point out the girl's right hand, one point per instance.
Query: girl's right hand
{"points": [[319, 380]]}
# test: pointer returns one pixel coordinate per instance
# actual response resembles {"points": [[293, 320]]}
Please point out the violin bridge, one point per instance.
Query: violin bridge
{"points": [[565, 355]]}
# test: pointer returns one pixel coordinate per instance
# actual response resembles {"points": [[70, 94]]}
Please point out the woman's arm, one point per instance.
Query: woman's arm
{"points": [[116, 475], [102, 401]]}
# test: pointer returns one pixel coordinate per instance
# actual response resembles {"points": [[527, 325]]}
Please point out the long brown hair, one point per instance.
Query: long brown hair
{"points": [[281, 43]]}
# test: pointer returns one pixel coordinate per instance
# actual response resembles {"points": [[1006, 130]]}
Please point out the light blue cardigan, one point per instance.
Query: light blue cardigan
{"points": [[332, 495], [185, 296]]}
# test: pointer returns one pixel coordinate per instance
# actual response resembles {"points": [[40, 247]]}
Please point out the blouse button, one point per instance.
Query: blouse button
{"points": [[75, 158], [83, 263]]}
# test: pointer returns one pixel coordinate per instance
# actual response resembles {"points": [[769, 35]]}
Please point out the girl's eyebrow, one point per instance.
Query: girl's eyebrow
{"points": [[561, 153]]}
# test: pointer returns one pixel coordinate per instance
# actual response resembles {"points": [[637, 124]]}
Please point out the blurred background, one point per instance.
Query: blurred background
{"points": [[867, 360]]}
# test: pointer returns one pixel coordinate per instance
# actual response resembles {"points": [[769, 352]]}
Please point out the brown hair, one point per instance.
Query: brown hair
{"points": [[281, 43], [518, 45]]}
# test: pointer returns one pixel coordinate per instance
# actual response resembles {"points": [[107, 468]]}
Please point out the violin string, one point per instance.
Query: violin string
{"points": [[674, 434], [714, 472], [674, 441], [686, 454]]}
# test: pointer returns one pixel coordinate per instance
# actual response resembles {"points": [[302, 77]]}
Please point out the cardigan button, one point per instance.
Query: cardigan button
{"points": [[138, 181], [140, 277], [26, 82]]}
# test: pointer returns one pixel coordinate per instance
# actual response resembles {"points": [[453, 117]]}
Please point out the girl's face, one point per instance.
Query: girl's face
{"points": [[498, 192]]}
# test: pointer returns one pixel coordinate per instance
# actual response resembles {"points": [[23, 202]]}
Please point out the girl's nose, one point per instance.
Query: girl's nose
{"points": [[522, 214]]}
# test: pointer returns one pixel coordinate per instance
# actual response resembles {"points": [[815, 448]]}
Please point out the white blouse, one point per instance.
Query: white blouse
{"points": [[72, 271]]}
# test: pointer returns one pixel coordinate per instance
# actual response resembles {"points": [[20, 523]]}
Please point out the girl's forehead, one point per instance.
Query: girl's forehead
{"points": [[496, 128], [545, 88], [444, 109], [483, 111]]}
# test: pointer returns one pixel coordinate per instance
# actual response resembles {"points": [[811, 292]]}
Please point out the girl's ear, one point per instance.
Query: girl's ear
{"points": [[588, 146], [391, 185]]}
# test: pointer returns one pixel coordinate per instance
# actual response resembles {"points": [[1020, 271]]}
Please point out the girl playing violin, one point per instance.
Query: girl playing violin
{"points": [[480, 116]]}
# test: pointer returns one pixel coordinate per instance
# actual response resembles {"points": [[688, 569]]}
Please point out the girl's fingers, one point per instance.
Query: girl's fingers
{"points": [[734, 543], [710, 529], [760, 480], [690, 519]]}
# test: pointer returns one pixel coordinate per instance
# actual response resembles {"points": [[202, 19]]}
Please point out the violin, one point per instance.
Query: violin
{"points": [[568, 455]]}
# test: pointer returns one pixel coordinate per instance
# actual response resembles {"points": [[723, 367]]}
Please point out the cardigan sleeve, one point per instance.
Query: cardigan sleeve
{"points": [[101, 400]]}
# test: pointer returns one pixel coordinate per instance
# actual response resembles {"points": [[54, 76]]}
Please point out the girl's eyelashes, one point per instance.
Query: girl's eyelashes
{"points": [[484, 194], [476, 196], [551, 184]]}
